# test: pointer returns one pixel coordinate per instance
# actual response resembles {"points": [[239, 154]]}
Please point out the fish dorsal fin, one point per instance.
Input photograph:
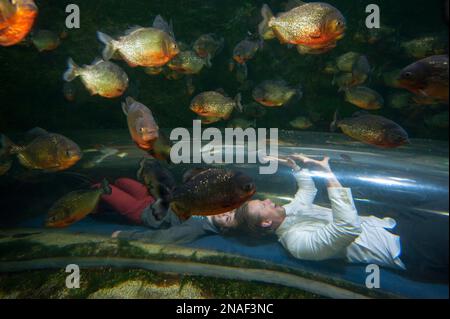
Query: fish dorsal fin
{"points": [[129, 100], [291, 4], [37, 131], [97, 61], [221, 91], [133, 29], [161, 24], [126, 105], [191, 173]]}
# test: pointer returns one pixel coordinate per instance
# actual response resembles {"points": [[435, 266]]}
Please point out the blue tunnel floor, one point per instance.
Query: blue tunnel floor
{"points": [[391, 281]]}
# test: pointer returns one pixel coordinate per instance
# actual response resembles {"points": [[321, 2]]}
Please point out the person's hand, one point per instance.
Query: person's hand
{"points": [[286, 161], [323, 165], [289, 162], [116, 234]]}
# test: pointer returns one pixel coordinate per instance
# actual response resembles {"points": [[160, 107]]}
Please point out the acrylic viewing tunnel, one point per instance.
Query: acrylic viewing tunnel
{"points": [[408, 184]]}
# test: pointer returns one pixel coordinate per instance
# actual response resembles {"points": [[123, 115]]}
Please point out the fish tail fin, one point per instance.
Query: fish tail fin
{"points": [[238, 100], [333, 125], [208, 62], [72, 71], [109, 43], [7, 147], [106, 188], [264, 26]]}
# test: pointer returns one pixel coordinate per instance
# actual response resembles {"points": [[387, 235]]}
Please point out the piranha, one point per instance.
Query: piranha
{"points": [[301, 123], [214, 106], [400, 100], [101, 77], [207, 46], [316, 25], [75, 206], [425, 46], [210, 192], [355, 70], [372, 129], [16, 20], [45, 40], [47, 151], [427, 78], [364, 97], [361, 70], [139, 46], [188, 62], [69, 91], [346, 61], [246, 50], [275, 93], [343, 81], [142, 125]]}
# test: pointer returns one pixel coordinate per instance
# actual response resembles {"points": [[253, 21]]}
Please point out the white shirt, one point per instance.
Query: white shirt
{"points": [[313, 232]]}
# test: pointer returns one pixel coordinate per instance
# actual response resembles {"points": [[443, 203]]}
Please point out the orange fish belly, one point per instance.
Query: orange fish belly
{"points": [[17, 27]]}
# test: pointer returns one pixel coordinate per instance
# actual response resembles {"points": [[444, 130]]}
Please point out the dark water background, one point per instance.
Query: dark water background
{"points": [[31, 82]]}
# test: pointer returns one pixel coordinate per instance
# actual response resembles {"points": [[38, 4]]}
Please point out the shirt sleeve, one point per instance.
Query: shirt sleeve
{"points": [[306, 192], [184, 233], [330, 240]]}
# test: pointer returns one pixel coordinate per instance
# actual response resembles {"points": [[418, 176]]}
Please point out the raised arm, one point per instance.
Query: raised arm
{"points": [[307, 190], [331, 239]]}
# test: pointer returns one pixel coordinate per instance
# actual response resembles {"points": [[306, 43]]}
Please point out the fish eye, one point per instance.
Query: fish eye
{"points": [[407, 74], [68, 153], [339, 23], [248, 187]]}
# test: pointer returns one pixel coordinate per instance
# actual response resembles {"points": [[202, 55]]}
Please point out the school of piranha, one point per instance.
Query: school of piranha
{"points": [[313, 28]]}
